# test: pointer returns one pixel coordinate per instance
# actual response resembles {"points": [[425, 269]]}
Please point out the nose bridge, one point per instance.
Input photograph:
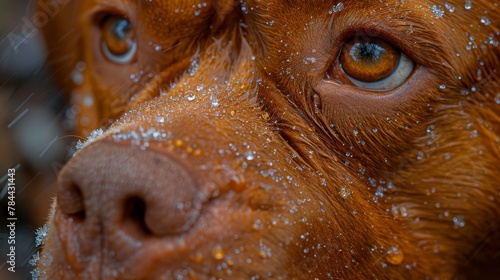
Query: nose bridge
{"points": [[225, 70], [221, 86]]}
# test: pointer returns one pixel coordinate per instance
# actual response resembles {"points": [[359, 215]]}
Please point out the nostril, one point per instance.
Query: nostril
{"points": [[71, 201], [117, 188], [134, 214]]}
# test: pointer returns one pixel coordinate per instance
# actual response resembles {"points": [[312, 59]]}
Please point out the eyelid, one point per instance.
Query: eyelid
{"points": [[397, 38], [120, 59], [98, 14]]}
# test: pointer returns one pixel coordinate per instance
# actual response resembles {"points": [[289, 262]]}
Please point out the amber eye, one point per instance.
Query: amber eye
{"points": [[118, 40], [372, 63]]}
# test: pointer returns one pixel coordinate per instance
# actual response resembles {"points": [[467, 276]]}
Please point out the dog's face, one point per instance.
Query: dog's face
{"points": [[277, 139]]}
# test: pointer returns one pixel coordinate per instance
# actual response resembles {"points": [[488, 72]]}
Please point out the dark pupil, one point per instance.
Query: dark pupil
{"points": [[366, 51], [121, 28]]}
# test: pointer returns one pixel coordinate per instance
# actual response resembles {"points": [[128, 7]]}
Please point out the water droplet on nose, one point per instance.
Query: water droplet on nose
{"points": [[197, 258], [214, 100], [190, 96], [178, 143], [218, 253], [160, 119]]}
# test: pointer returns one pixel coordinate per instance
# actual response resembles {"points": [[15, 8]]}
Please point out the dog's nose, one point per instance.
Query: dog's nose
{"points": [[123, 188]]}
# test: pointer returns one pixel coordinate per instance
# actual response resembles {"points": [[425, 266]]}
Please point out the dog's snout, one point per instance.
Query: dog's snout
{"points": [[128, 190]]}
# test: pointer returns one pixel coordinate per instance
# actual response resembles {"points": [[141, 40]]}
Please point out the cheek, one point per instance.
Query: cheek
{"points": [[377, 126]]}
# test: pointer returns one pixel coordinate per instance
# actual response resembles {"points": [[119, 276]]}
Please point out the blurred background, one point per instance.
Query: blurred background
{"points": [[35, 136]]}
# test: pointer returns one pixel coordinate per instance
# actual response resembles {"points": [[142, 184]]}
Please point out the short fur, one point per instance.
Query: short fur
{"points": [[313, 179]]}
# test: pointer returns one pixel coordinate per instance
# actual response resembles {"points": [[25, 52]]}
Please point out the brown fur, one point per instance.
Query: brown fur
{"points": [[343, 184]]}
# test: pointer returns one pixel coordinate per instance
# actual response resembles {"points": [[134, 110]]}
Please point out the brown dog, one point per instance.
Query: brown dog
{"points": [[278, 139]]}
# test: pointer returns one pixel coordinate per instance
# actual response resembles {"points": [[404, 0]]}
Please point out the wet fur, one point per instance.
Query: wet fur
{"points": [[435, 155]]}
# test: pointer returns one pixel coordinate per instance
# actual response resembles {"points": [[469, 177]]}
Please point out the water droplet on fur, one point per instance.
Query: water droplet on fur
{"points": [[257, 224], [449, 7], [249, 156], [497, 99], [468, 4], [345, 192], [394, 256], [485, 20], [404, 211], [459, 221], [265, 116], [336, 8]]}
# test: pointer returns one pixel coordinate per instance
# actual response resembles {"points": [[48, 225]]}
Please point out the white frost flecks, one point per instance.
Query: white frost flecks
{"points": [[193, 67], [309, 60], [449, 7], [459, 221], [41, 235], [437, 11], [378, 194], [35, 273], [34, 259], [94, 134], [336, 8], [214, 100], [143, 136]]}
